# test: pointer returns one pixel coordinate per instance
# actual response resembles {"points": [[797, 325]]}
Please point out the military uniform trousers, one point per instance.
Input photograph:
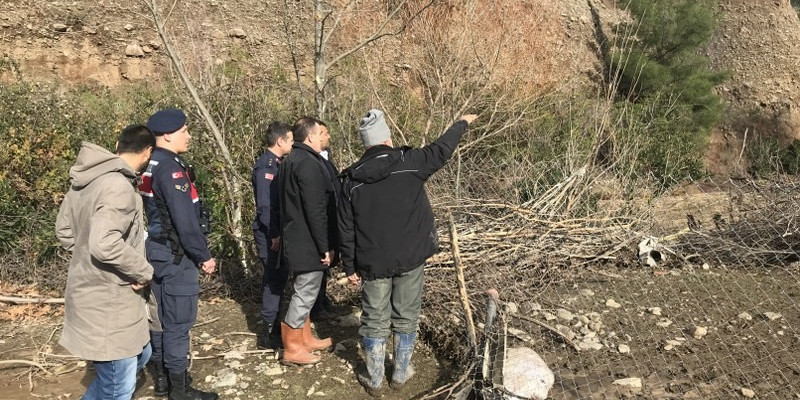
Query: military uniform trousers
{"points": [[176, 288]]}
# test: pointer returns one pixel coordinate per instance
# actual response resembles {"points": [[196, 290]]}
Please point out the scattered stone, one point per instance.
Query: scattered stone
{"points": [[698, 332], [568, 333], [274, 371], [590, 344], [536, 307], [59, 27], [596, 326], [205, 335], [549, 316], [235, 364], [512, 308], [749, 393], [239, 34], [629, 382], [340, 380], [128, 27], [277, 381], [225, 378], [745, 316], [147, 49], [612, 303], [706, 266], [655, 311], [564, 314], [284, 384], [319, 394], [623, 349], [586, 292], [663, 323], [244, 385], [154, 44], [771, 316], [134, 50]]}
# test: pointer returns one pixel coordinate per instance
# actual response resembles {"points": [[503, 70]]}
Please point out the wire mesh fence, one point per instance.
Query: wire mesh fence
{"points": [[688, 294]]}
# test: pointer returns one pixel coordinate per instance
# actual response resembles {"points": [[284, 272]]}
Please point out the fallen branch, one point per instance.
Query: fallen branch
{"points": [[206, 322], [462, 286], [548, 327], [26, 362], [29, 300]]}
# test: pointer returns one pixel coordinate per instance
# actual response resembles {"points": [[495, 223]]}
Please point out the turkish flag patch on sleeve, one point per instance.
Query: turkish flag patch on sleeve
{"points": [[176, 175], [269, 176]]}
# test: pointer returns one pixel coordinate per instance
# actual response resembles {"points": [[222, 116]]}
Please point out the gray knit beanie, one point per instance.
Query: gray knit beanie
{"points": [[373, 128]]}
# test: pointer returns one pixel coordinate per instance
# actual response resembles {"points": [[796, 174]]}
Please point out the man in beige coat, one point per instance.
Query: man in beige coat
{"points": [[100, 223]]}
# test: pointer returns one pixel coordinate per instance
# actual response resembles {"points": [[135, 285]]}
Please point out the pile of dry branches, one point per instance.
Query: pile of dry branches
{"points": [[511, 248], [760, 228]]}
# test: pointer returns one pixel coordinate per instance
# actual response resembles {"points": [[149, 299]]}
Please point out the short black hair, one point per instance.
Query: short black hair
{"points": [[135, 139], [303, 126], [275, 131]]}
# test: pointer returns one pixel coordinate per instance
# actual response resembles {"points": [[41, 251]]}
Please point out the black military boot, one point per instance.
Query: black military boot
{"points": [[181, 390], [160, 382], [270, 338]]}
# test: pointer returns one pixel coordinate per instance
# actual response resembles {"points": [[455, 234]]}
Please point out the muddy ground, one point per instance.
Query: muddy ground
{"points": [[736, 358]]}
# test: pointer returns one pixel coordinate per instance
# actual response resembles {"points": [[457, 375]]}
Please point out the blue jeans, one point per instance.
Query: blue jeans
{"points": [[116, 379]]}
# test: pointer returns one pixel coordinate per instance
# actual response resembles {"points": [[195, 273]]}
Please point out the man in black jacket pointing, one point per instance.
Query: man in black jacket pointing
{"points": [[387, 231]]}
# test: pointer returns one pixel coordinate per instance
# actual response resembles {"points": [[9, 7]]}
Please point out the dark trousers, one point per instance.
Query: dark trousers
{"points": [[273, 283], [176, 288]]}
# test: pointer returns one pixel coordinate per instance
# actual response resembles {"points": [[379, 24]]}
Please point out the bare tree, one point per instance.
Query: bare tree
{"points": [[231, 178], [328, 18]]}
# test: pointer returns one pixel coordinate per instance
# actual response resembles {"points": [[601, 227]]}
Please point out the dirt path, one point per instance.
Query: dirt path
{"points": [[751, 321]]}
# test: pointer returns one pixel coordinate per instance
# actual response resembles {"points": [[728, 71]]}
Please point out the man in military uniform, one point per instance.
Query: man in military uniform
{"points": [[267, 231], [176, 247]]}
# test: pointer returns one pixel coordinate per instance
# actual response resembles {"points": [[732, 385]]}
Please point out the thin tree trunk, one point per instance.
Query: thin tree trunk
{"points": [[232, 182]]}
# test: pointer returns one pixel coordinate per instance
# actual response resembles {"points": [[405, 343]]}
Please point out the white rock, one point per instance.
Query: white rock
{"points": [[274, 371], [749, 393], [586, 292], [536, 307], [277, 381], [654, 310], [59, 27], [239, 34], [663, 323], [612, 303], [128, 27], [225, 378], [745, 316], [623, 349], [526, 375], [698, 332], [512, 307], [205, 335], [772, 316], [564, 314], [629, 382], [134, 50], [549, 316], [568, 333], [706, 266]]}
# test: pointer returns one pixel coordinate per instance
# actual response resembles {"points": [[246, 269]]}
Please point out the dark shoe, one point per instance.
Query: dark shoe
{"points": [[403, 349], [181, 390], [160, 382], [294, 352], [270, 338], [374, 356]]}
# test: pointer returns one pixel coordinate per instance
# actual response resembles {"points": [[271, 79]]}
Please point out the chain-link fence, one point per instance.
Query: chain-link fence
{"points": [[688, 294]]}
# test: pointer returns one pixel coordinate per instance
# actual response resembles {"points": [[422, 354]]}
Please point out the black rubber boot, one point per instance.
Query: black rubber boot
{"points": [[270, 338], [160, 382], [181, 390]]}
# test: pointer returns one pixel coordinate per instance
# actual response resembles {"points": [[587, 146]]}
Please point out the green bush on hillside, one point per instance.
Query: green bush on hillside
{"points": [[665, 86]]}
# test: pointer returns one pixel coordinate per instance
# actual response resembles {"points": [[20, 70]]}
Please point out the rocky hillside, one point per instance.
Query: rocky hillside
{"points": [[550, 43]]}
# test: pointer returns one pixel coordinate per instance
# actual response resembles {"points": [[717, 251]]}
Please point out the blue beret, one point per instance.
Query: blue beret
{"points": [[166, 121]]}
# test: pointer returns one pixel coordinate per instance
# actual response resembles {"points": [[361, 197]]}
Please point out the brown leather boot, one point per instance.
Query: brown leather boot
{"points": [[294, 352], [311, 342]]}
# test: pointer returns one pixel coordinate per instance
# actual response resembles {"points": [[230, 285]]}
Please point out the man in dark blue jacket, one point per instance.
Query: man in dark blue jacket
{"points": [[308, 235], [387, 232], [266, 228], [176, 247]]}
